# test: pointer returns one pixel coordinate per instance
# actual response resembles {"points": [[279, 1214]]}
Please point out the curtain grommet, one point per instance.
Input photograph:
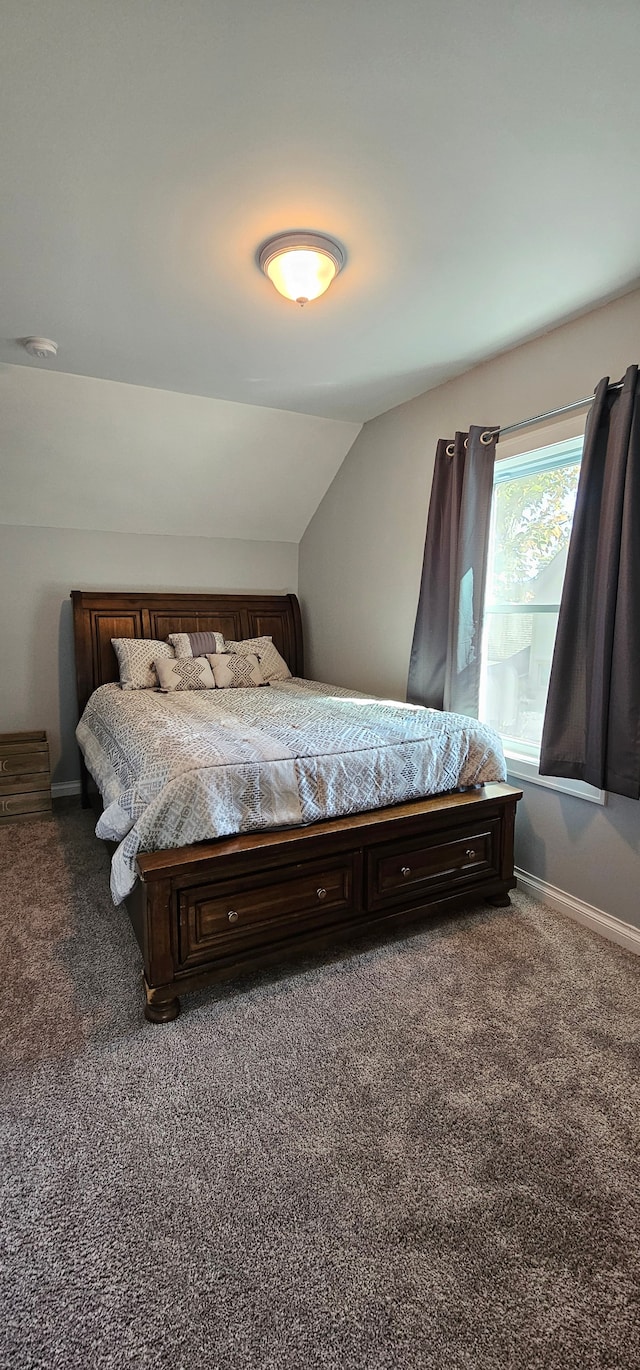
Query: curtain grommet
{"points": [[450, 449], [486, 438]]}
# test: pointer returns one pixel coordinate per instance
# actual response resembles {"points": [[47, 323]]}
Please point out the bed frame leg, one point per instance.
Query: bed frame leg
{"points": [[85, 802], [160, 1007], [499, 901]]}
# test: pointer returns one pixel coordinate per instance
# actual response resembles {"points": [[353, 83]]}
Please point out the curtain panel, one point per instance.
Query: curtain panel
{"points": [[592, 721], [444, 670]]}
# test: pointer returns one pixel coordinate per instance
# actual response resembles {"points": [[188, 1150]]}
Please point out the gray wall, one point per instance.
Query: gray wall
{"points": [[40, 566], [361, 556]]}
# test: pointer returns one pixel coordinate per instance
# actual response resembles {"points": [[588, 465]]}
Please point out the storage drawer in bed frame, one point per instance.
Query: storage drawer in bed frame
{"points": [[399, 872], [207, 912], [228, 917]]}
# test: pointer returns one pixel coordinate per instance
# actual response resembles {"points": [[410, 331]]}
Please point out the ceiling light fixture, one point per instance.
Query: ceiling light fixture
{"points": [[40, 347], [301, 266]]}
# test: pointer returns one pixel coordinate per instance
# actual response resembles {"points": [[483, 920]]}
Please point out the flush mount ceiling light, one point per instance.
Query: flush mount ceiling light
{"points": [[301, 266], [40, 347]]}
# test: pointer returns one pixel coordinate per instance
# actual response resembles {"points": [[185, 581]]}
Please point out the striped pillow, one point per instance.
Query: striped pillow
{"points": [[196, 644]]}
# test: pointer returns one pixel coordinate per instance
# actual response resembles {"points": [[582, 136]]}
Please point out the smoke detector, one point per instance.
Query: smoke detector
{"points": [[40, 347]]}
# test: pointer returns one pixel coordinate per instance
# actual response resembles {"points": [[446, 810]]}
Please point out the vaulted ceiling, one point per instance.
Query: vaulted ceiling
{"points": [[76, 452], [478, 161]]}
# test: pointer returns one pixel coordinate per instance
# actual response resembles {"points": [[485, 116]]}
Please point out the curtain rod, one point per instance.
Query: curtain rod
{"points": [[551, 413]]}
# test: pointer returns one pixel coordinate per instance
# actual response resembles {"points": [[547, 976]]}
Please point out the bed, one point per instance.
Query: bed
{"points": [[211, 908]]}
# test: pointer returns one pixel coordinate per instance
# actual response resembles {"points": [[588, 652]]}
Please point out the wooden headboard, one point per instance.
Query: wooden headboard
{"points": [[100, 615]]}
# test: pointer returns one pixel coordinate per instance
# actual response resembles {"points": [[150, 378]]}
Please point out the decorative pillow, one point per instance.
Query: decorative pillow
{"points": [[231, 672], [136, 656], [185, 673], [272, 665], [196, 644]]}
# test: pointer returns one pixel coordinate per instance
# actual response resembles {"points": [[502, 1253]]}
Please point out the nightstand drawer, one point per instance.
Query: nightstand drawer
{"points": [[23, 754], [14, 806], [23, 762], [25, 782]]}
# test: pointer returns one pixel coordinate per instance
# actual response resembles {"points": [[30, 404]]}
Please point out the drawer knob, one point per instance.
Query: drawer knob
{"points": [[470, 853], [232, 916], [405, 871], [322, 894]]}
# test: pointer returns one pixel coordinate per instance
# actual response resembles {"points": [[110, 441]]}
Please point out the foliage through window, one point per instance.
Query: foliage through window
{"points": [[533, 502]]}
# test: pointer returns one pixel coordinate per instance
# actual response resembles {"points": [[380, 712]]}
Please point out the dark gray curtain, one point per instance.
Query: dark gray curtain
{"points": [[592, 722], [444, 671]]}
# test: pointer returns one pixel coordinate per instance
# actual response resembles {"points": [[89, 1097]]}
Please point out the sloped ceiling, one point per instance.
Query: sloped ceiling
{"points": [[478, 161], [76, 452]]}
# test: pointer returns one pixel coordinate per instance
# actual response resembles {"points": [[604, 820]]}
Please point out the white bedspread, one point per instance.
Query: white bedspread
{"points": [[180, 768]]}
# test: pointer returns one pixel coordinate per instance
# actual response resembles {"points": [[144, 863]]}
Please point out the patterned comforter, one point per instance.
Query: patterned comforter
{"points": [[185, 767]]}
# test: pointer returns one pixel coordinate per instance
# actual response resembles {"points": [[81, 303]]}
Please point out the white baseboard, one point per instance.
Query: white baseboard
{"points": [[64, 788], [596, 919]]}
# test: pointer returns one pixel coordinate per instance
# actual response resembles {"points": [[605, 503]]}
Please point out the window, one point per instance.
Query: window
{"points": [[533, 502]]}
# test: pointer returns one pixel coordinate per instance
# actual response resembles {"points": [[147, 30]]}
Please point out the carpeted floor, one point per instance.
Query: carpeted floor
{"points": [[420, 1154]]}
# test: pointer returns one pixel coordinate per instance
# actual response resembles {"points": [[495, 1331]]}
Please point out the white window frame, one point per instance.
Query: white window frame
{"points": [[552, 444]]}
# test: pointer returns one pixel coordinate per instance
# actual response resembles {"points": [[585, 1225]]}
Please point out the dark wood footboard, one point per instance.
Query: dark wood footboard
{"points": [[210, 911]]}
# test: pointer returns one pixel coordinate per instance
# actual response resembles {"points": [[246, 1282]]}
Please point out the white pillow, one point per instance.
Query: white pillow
{"points": [[136, 656], [272, 665], [235, 671], [185, 673]]}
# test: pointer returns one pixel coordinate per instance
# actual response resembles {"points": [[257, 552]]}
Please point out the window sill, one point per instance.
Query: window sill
{"points": [[523, 768]]}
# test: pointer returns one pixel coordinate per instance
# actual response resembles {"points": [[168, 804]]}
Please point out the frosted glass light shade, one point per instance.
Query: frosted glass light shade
{"points": [[301, 266], [301, 274]]}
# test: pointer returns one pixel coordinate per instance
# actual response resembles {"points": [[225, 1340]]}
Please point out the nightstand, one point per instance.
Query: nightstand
{"points": [[25, 778]]}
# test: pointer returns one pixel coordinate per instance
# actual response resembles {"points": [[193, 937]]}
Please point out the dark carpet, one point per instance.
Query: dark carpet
{"points": [[420, 1154]]}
